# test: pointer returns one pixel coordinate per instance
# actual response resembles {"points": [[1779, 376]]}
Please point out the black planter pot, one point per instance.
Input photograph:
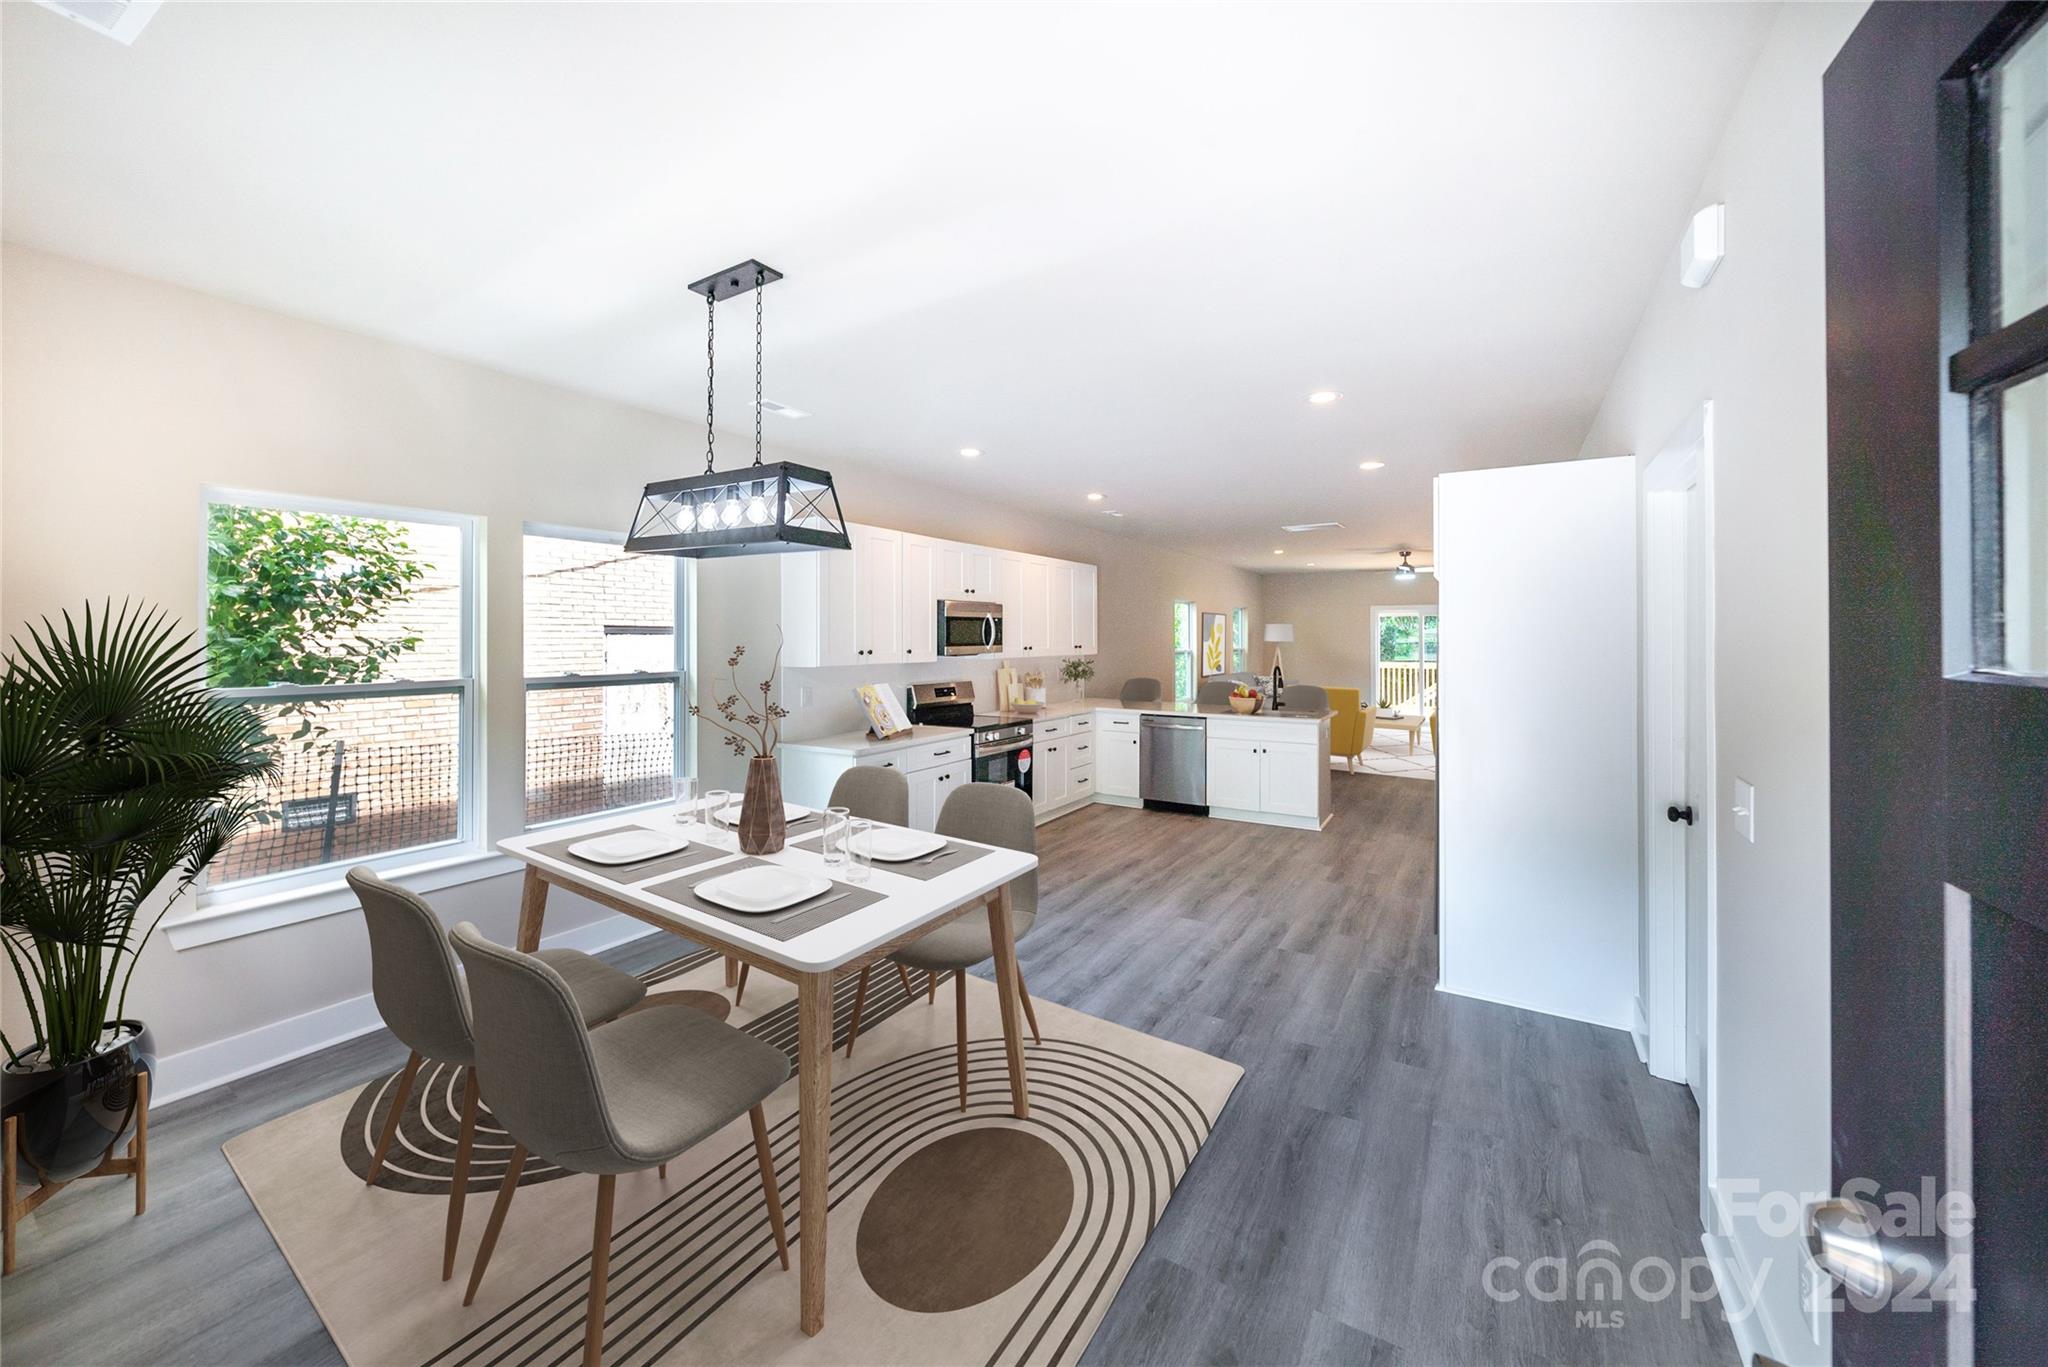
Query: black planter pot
{"points": [[70, 1116]]}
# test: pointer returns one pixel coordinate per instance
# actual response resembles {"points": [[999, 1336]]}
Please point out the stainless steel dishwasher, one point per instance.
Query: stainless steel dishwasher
{"points": [[1173, 762]]}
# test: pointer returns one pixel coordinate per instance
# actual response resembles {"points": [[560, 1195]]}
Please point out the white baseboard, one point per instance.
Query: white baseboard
{"points": [[1640, 1031], [1761, 1330], [204, 1067], [1529, 1006]]}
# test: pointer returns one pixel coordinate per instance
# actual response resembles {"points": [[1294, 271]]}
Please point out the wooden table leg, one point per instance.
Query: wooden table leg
{"points": [[533, 904], [7, 1196], [814, 1128], [1006, 990], [138, 1147]]}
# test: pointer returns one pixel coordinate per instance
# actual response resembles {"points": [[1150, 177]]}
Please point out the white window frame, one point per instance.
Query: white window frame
{"points": [[678, 676], [1416, 610], [248, 905], [1240, 631], [1194, 635]]}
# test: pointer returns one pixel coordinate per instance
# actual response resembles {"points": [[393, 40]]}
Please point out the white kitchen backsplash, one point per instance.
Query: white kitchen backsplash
{"points": [[822, 702]]}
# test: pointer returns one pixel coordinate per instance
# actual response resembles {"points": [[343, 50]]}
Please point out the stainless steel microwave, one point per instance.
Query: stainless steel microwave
{"points": [[970, 626]]}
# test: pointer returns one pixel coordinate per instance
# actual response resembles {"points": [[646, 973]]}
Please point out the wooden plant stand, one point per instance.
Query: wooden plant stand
{"points": [[136, 1164]]}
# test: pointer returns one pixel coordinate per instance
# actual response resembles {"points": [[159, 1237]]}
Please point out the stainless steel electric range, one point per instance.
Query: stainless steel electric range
{"points": [[1002, 745]]}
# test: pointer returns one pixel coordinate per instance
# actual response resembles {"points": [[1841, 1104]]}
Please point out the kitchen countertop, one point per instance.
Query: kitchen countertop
{"points": [[861, 743], [1074, 708]]}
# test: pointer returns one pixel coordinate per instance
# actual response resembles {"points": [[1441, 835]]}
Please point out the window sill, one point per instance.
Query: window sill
{"points": [[229, 917]]}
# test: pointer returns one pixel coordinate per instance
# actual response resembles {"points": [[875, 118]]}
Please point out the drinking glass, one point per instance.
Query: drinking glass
{"points": [[715, 802], [833, 844], [859, 862], [686, 808]]}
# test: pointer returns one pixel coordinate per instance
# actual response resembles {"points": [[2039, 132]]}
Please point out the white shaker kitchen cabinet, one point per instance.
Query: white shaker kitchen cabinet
{"points": [[1030, 613], [963, 571], [1049, 773], [1059, 608], [929, 789], [878, 594], [819, 618], [1235, 778], [918, 569], [1084, 608], [1116, 763], [1288, 779]]}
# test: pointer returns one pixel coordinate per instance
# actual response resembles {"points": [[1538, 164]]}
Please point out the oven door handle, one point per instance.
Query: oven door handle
{"points": [[1002, 750]]}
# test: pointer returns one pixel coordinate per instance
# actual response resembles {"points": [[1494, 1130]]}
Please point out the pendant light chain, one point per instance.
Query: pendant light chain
{"points": [[710, 376], [760, 292]]}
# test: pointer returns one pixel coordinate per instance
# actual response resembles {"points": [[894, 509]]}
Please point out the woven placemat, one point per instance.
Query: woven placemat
{"points": [[776, 925], [636, 872], [959, 856]]}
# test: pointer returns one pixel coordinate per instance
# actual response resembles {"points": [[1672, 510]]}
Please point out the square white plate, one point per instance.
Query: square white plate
{"points": [[893, 844], [730, 817], [629, 847], [764, 887]]}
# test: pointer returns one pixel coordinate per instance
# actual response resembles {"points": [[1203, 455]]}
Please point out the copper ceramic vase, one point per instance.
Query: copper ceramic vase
{"points": [[762, 828]]}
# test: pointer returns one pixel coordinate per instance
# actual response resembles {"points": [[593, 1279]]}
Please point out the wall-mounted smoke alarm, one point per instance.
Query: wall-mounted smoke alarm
{"points": [[120, 20], [1706, 242]]}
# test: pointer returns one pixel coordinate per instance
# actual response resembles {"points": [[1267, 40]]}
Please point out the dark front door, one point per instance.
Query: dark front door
{"points": [[1937, 291]]}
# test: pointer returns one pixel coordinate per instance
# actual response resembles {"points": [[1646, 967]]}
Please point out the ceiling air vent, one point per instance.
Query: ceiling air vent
{"points": [[783, 410], [1312, 527], [120, 20]]}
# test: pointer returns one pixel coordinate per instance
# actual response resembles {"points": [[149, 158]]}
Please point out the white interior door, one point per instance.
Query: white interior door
{"points": [[1699, 790]]}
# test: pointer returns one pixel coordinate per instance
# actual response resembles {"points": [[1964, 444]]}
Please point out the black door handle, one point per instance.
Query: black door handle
{"points": [[1679, 814]]}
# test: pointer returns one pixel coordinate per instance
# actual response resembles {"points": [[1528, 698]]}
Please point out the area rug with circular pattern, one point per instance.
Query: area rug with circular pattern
{"points": [[955, 1236]]}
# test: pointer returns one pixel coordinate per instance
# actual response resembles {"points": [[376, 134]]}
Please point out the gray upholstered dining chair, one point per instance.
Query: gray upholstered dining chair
{"points": [[993, 814], [624, 1097], [423, 1001], [1304, 698], [1214, 692], [871, 793], [1139, 690]]}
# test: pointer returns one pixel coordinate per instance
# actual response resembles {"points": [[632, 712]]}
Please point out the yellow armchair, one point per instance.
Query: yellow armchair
{"points": [[1349, 731]]}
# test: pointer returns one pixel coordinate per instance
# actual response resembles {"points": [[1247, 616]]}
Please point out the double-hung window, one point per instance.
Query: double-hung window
{"points": [[1240, 639], [352, 632], [1185, 632], [604, 675]]}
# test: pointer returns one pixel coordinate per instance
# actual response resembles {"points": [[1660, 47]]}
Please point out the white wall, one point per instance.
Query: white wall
{"points": [[1754, 341], [125, 396], [1536, 835]]}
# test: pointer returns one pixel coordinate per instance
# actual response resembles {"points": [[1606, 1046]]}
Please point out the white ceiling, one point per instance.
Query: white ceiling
{"points": [[1113, 247]]}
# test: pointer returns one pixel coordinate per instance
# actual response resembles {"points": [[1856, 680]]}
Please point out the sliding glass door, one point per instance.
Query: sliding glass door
{"points": [[1404, 658]]}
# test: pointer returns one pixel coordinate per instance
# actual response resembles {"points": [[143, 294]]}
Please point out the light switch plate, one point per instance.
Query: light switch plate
{"points": [[1745, 809]]}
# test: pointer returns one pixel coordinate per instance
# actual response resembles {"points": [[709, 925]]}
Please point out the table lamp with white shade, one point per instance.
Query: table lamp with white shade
{"points": [[1277, 635]]}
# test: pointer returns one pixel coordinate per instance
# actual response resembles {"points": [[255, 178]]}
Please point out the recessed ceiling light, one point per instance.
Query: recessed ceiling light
{"points": [[1310, 563], [1372, 465], [1095, 498], [970, 451], [1323, 396], [1278, 551]]}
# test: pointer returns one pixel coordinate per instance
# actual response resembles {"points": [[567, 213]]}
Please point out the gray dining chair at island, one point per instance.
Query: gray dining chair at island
{"points": [[623, 1097], [990, 814], [1305, 698], [1140, 690], [421, 998], [871, 793]]}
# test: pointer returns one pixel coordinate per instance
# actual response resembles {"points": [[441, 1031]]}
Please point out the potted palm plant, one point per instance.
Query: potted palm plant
{"points": [[120, 772]]}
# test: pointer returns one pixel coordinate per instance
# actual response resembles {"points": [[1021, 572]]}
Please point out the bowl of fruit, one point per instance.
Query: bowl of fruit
{"points": [[1245, 699]]}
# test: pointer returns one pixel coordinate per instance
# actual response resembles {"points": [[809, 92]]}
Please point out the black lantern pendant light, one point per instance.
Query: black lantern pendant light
{"points": [[761, 510]]}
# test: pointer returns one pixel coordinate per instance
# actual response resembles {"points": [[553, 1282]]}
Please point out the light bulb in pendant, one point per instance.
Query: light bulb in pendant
{"points": [[729, 511], [757, 508], [685, 515]]}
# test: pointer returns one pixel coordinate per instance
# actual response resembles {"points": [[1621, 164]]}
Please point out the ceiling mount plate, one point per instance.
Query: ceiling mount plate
{"points": [[734, 280]]}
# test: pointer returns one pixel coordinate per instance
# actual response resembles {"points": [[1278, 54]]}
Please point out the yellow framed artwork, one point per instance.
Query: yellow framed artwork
{"points": [[1215, 644]]}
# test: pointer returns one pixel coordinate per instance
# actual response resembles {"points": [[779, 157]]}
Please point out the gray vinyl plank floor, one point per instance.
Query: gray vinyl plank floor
{"points": [[1387, 1140]]}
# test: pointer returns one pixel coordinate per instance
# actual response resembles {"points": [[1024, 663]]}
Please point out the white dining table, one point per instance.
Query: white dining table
{"points": [[907, 909]]}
